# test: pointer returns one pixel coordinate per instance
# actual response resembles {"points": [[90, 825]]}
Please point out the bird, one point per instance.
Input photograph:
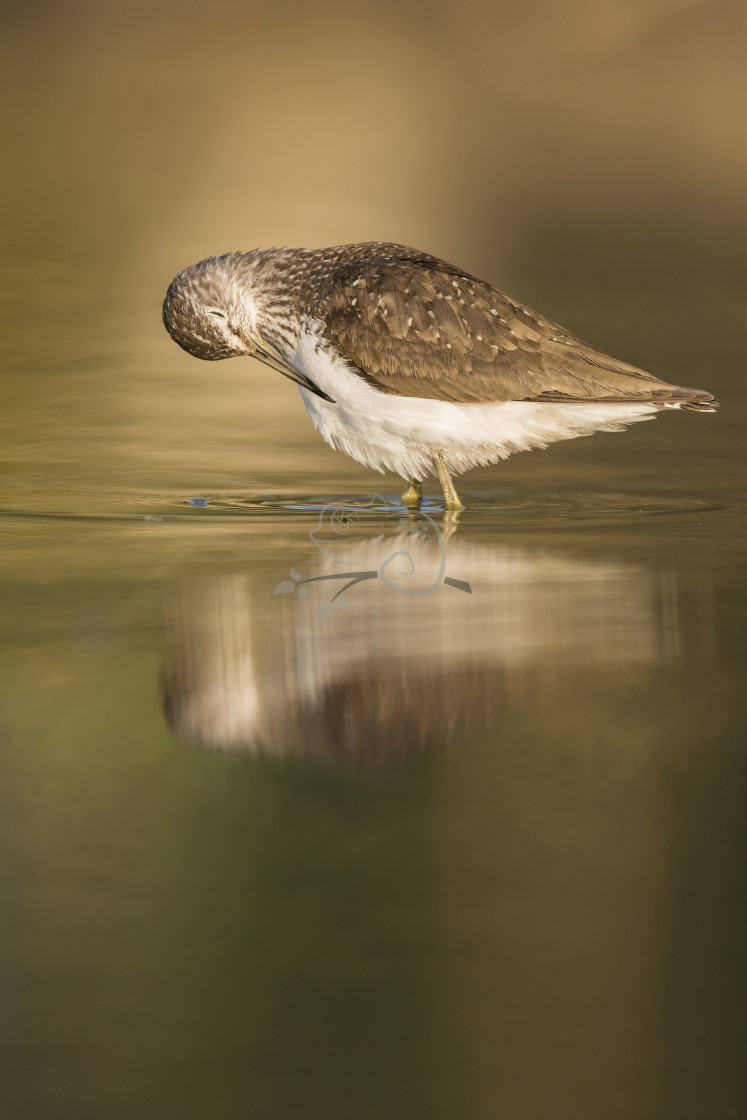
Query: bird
{"points": [[407, 363]]}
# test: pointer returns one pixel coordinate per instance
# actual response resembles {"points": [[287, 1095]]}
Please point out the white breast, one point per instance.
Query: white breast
{"points": [[401, 434]]}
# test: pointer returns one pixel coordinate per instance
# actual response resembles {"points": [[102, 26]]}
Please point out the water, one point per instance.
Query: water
{"points": [[421, 854], [472, 851]]}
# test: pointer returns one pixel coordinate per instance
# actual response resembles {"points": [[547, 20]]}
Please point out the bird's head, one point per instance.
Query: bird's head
{"points": [[209, 310], [238, 304]]}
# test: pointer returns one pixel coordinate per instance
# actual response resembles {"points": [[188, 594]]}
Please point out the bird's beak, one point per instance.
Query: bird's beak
{"points": [[271, 356], [268, 354]]}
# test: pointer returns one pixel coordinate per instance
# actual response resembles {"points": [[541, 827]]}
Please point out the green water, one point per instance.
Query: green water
{"points": [[469, 853]]}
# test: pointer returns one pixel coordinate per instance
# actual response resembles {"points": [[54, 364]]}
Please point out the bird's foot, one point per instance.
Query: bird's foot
{"points": [[413, 495]]}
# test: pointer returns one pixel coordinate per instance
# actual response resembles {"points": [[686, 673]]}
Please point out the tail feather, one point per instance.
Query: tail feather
{"points": [[700, 406], [694, 400]]}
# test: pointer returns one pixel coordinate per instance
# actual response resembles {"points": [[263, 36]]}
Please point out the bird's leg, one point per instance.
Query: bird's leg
{"points": [[451, 498], [413, 495]]}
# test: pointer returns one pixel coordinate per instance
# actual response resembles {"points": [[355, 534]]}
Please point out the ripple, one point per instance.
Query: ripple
{"points": [[592, 505], [515, 509]]}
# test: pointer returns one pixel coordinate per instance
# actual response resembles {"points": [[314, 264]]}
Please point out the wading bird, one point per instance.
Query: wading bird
{"points": [[407, 363]]}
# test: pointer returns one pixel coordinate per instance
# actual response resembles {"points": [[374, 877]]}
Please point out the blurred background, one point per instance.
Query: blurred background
{"points": [[587, 157], [473, 862]]}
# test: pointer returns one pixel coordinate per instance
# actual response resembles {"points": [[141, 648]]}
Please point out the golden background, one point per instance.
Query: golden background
{"points": [[589, 158]]}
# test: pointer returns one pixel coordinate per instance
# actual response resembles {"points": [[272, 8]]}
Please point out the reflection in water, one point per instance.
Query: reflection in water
{"points": [[411, 657]]}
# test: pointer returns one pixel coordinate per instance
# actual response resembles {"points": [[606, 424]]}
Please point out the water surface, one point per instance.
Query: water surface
{"points": [[259, 856]]}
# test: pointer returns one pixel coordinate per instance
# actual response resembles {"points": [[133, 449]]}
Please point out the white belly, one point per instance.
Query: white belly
{"points": [[401, 434]]}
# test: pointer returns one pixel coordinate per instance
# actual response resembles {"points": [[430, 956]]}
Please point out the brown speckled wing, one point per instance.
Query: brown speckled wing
{"points": [[415, 326]]}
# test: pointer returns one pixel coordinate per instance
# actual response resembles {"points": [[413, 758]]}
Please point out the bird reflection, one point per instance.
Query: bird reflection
{"points": [[440, 639]]}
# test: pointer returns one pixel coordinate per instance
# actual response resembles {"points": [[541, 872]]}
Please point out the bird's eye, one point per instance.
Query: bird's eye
{"points": [[216, 313]]}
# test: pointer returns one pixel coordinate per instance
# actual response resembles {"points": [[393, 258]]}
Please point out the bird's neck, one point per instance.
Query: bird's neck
{"points": [[271, 292]]}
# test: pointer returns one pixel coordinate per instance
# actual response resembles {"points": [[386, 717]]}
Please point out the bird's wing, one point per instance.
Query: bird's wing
{"points": [[418, 327]]}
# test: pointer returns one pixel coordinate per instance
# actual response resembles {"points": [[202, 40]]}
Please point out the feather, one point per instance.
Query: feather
{"points": [[427, 329]]}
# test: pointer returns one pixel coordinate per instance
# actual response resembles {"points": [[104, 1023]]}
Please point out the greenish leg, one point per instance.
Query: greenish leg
{"points": [[451, 498], [413, 495]]}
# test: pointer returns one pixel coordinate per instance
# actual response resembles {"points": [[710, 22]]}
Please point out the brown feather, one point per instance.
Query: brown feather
{"points": [[415, 326]]}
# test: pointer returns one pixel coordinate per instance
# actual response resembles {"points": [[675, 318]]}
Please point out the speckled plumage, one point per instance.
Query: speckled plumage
{"points": [[369, 330]]}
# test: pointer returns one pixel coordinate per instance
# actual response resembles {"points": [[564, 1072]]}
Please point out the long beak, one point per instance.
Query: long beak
{"points": [[268, 354]]}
